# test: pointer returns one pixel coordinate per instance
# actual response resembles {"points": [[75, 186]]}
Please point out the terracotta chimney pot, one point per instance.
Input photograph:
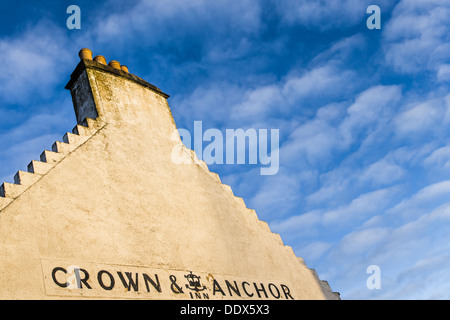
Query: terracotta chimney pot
{"points": [[115, 64], [100, 59], [85, 53]]}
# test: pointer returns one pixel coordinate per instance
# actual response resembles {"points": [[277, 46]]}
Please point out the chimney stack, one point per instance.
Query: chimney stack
{"points": [[103, 90]]}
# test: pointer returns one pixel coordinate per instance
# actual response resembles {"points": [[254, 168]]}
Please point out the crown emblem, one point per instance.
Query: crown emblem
{"points": [[194, 282]]}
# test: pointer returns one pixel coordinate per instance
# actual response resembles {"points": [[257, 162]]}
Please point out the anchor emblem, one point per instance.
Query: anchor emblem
{"points": [[194, 282]]}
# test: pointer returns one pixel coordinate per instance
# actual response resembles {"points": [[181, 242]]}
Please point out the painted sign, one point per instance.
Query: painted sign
{"points": [[64, 278]]}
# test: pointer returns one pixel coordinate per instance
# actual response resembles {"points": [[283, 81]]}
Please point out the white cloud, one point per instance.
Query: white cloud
{"points": [[212, 103], [371, 108], [405, 253], [314, 250], [259, 103], [420, 118], [179, 19], [327, 81], [302, 225], [410, 156], [415, 38], [316, 140], [360, 208], [342, 51], [333, 185], [33, 62], [277, 196], [313, 141], [428, 278], [443, 73], [423, 200], [325, 15], [382, 172], [359, 242], [439, 158]]}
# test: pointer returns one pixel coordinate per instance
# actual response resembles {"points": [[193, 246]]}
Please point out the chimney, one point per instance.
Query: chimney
{"points": [[110, 93]]}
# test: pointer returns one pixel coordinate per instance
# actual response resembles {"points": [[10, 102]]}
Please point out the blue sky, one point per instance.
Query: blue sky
{"points": [[363, 115]]}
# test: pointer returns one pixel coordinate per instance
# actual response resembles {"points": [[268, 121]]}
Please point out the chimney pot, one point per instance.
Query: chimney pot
{"points": [[124, 68], [85, 53], [100, 59], [115, 64]]}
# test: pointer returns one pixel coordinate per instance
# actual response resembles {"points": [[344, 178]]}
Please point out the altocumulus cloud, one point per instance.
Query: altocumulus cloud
{"points": [[33, 62]]}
